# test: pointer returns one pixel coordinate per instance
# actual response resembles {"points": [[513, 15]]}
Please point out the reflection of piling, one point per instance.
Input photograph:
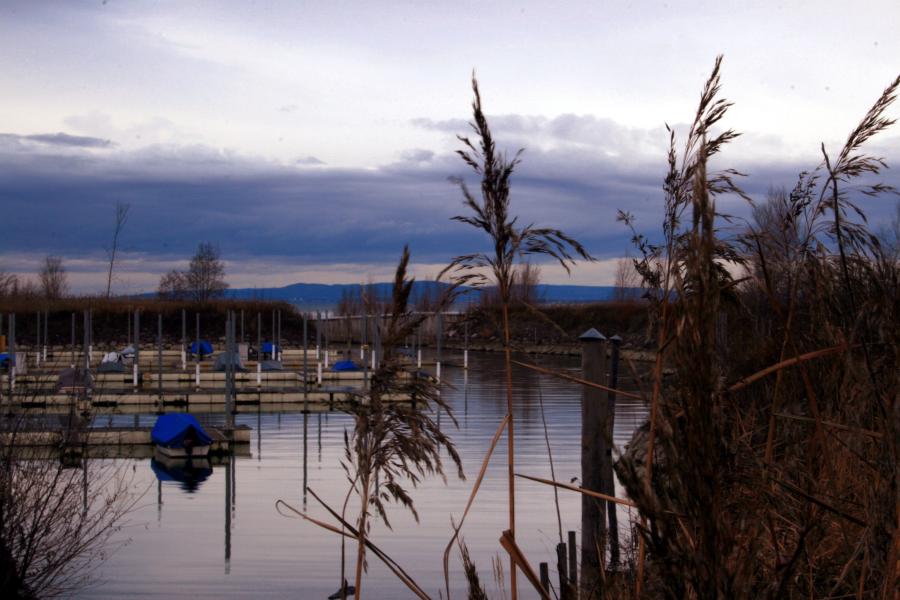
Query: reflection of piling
{"points": [[594, 448], [305, 449], [610, 488]]}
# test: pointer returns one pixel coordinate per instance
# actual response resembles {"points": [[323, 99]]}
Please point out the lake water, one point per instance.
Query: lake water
{"points": [[225, 538]]}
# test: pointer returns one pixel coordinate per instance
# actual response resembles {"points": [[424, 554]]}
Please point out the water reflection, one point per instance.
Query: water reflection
{"points": [[279, 557], [189, 473]]}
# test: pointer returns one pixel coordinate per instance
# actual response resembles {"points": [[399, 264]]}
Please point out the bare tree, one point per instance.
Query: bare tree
{"points": [[206, 274], [58, 519], [172, 286], [204, 280], [9, 283], [54, 280], [628, 281], [121, 218]]}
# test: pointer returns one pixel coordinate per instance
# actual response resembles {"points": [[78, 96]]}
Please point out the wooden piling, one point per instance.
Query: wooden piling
{"points": [[594, 445]]}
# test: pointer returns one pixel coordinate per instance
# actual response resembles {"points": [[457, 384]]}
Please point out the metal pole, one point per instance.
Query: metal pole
{"points": [[305, 372], [137, 347], [259, 337], [159, 358], [72, 346], [37, 345], [11, 361], [183, 339], [439, 337], [46, 321]]}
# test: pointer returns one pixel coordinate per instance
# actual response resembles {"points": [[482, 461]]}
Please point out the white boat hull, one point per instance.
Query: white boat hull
{"points": [[196, 452]]}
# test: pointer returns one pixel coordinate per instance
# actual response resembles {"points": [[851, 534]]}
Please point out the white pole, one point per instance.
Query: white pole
{"points": [[437, 372], [134, 374], [373, 359], [319, 373], [419, 359], [197, 375], [90, 355], [258, 374], [465, 359], [183, 359], [326, 358]]}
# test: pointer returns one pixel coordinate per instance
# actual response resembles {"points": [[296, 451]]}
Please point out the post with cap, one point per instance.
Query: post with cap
{"points": [[594, 444]]}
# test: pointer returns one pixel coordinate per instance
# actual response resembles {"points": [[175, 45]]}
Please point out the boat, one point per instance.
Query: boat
{"points": [[179, 435]]}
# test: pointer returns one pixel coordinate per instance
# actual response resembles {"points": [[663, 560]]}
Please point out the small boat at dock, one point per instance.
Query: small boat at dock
{"points": [[178, 435]]}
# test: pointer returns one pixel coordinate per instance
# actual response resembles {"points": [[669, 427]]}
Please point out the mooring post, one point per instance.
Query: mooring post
{"points": [[91, 336], [11, 360], [85, 343], [466, 343], [363, 347], [72, 346], [564, 588], [545, 576], [137, 348], [278, 347], [439, 334], [305, 365], [183, 339], [37, 344], [159, 358], [573, 563], [242, 326], [593, 453], [609, 481], [327, 327], [318, 335], [419, 347], [46, 325]]}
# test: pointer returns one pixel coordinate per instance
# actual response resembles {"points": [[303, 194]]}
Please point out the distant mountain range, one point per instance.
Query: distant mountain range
{"points": [[320, 295]]}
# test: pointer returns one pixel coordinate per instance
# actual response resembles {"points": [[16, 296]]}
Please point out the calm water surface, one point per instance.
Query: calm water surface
{"points": [[224, 538]]}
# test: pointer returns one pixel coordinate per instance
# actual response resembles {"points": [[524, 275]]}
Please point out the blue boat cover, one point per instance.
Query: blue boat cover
{"points": [[203, 346], [268, 346], [170, 430], [345, 365], [4, 358]]}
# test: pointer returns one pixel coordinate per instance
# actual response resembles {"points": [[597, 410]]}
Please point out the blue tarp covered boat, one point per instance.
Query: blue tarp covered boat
{"points": [[270, 347], [201, 347], [180, 434], [345, 365]]}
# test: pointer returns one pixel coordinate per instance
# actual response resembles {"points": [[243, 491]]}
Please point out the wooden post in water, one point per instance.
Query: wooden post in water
{"points": [[72, 346], [159, 359], [183, 340], [11, 356], [594, 445], [573, 563], [137, 348], [197, 353], [545, 576], [37, 345], [305, 371]]}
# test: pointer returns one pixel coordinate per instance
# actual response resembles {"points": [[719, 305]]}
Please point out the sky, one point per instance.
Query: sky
{"points": [[311, 141]]}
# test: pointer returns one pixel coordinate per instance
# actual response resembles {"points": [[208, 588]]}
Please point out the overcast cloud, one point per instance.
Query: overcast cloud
{"points": [[311, 143]]}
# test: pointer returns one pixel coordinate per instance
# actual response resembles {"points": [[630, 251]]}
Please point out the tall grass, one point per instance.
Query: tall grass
{"points": [[772, 461], [490, 213]]}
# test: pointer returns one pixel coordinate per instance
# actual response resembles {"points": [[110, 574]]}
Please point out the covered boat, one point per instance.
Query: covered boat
{"points": [[201, 348], [345, 365], [226, 359], [180, 434]]}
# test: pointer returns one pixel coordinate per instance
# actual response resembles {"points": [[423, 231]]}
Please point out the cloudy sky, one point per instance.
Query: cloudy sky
{"points": [[312, 140]]}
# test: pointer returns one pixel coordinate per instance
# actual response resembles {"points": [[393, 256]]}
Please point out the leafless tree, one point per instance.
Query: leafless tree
{"points": [[628, 281], [203, 281], [54, 280], [8, 284], [58, 518], [122, 209]]}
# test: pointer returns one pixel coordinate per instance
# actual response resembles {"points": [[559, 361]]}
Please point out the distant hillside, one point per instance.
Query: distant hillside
{"points": [[327, 295]]}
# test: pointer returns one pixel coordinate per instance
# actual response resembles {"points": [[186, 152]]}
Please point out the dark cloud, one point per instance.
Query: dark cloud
{"points": [[59, 139], [572, 178]]}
